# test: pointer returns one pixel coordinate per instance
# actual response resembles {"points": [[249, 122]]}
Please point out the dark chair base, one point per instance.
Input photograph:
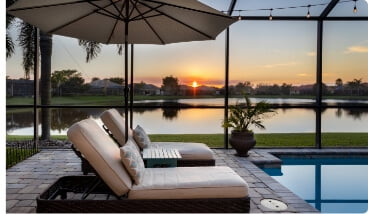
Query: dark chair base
{"points": [[61, 197]]}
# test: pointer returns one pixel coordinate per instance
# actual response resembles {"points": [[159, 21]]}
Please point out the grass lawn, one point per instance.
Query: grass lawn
{"points": [[263, 140]]}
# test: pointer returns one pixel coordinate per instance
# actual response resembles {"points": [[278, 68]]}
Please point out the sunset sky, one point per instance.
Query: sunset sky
{"points": [[260, 51]]}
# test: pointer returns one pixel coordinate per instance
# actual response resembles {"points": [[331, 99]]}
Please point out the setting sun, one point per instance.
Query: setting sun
{"points": [[194, 84]]}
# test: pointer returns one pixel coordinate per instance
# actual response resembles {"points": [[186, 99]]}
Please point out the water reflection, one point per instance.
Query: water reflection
{"points": [[190, 121]]}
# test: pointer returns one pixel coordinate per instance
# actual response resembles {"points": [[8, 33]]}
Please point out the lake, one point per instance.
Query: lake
{"points": [[157, 120]]}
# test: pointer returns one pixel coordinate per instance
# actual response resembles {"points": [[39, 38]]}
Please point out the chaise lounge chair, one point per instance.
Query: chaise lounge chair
{"points": [[180, 189], [193, 154]]}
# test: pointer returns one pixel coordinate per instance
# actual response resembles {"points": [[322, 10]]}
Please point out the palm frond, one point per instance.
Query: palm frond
{"points": [[9, 46], [92, 49], [26, 40]]}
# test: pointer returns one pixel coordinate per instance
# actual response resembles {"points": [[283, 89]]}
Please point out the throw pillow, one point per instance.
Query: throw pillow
{"points": [[132, 161], [140, 137]]}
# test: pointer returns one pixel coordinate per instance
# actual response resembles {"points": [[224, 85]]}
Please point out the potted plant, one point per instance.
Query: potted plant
{"points": [[242, 117]]}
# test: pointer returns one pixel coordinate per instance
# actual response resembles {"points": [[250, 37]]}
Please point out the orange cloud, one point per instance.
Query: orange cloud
{"points": [[357, 49]]}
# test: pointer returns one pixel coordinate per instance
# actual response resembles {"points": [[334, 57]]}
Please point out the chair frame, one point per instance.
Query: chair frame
{"points": [[55, 200]]}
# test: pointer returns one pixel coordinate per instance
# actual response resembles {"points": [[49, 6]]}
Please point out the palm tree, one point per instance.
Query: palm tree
{"points": [[9, 40], [355, 84], [26, 40]]}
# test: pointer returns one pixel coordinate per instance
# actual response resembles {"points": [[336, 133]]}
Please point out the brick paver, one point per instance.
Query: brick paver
{"points": [[26, 180]]}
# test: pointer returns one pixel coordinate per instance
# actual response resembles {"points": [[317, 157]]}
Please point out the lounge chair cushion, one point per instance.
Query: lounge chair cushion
{"points": [[141, 137], [189, 182], [102, 153], [188, 151], [116, 124], [132, 161]]}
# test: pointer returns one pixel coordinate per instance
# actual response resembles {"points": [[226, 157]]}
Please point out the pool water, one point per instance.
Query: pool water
{"points": [[331, 185]]}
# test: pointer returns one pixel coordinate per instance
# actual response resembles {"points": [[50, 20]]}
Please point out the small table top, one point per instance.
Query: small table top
{"points": [[161, 157], [161, 153]]}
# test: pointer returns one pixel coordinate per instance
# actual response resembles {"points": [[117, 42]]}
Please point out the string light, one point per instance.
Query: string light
{"points": [[355, 10], [270, 18], [308, 14]]}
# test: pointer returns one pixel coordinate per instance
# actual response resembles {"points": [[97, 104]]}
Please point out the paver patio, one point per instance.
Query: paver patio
{"points": [[26, 180]]}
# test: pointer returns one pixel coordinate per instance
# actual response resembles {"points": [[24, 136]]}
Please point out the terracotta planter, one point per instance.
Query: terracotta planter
{"points": [[242, 142]]}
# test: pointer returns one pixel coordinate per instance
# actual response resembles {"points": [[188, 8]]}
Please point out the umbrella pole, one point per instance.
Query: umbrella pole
{"points": [[126, 89]]}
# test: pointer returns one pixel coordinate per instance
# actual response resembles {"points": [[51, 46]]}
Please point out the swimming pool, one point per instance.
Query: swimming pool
{"points": [[332, 185]]}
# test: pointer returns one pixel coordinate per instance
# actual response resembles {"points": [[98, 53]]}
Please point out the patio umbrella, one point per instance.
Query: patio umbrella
{"points": [[124, 21]]}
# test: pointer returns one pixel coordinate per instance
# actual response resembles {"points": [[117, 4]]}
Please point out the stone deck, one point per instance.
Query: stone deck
{"points": [[26, 180]]}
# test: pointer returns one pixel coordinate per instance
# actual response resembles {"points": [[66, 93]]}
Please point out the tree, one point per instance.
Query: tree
{"points": [[355, 85], [243, 88], [339, 86], [26, 40], [170, 85], [117, 80], [95, 78], [339, 82], [285, 89], [45, 83], [60, 78], [9, 40], [68, 81]]}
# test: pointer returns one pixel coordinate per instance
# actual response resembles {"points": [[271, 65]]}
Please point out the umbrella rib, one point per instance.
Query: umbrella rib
{"points": [[177, 20], [148, 11], [103, 8], [134, 6], [150, 26], [116, 21], [79, 18], [192, 9], [137, 18], [117, 9], [49, 5]]}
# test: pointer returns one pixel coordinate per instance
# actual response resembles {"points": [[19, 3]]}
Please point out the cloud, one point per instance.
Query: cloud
{"points": [[287, 64], [311, 54], [357, 49], [303, 74]]}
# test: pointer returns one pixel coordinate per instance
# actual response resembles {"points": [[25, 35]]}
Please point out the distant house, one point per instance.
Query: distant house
{"points": [[20, 87], [148, 89], [105, 87], [301, 90]]}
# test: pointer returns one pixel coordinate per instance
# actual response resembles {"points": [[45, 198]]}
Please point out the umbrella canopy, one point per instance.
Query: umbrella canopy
{"points": [[120, 21], [124, 22]]}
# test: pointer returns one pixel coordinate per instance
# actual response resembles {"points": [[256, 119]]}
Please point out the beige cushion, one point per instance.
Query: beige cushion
{"points": [[141, 137], [189, 182], [132, 161], [116, 124], [188, 151], [102, 153]]}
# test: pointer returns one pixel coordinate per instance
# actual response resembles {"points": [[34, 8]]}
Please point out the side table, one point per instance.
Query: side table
{"points": [[160, 157]]}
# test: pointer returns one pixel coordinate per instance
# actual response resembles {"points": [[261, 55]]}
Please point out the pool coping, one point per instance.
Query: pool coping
{"points": [[267, 158]]}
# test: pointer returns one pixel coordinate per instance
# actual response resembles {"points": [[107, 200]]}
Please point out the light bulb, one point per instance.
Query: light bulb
{"points": [[308, 14], [355, 9], [270, 18]]}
